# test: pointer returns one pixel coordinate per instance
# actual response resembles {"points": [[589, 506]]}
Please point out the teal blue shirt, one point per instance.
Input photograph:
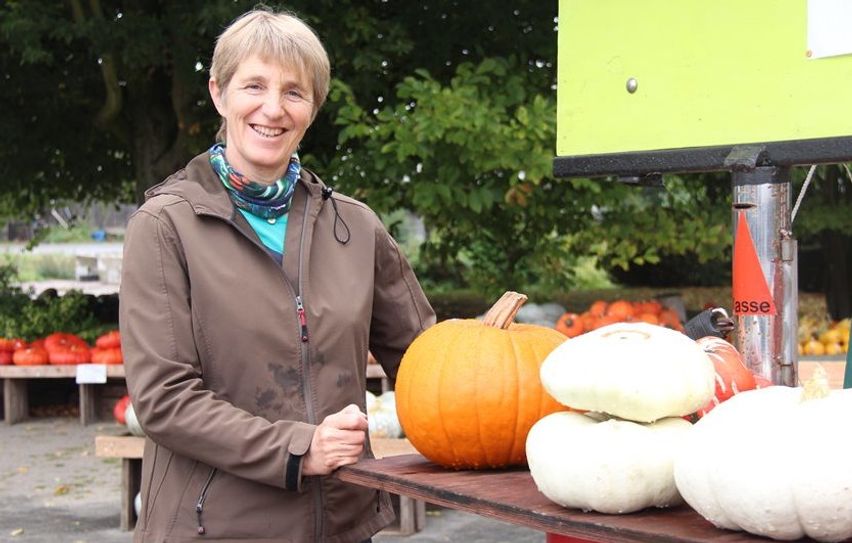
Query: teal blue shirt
{"points": [[271, 234]]}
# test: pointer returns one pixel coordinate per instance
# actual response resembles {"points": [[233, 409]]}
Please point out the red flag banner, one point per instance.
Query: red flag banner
{"points": [[750, 289]]}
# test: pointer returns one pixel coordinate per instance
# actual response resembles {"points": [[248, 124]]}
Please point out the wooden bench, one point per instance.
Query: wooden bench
{"points": [[411, 514], [16, 396]]}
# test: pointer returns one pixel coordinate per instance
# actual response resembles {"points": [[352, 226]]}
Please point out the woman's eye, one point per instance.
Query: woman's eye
{"points": [[253, 87], [294, 95]]}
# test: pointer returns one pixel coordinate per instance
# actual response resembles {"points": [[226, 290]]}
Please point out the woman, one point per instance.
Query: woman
{"points": [[250, 297]]}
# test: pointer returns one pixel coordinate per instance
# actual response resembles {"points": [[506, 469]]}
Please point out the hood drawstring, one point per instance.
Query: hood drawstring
{"points": [[326, 195]]}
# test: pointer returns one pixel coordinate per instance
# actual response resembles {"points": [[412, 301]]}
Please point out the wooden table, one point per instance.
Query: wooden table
{"points": [[511, 496], [129, 449], [16, 397]]}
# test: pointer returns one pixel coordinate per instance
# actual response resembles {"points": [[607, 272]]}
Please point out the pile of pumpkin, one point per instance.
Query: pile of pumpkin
{"points": [[821, 337], [62, 348], [604, 422], [602, 313]]}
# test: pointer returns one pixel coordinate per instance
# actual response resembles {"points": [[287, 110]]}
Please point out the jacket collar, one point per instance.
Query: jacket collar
{"points": [[199, 185]]}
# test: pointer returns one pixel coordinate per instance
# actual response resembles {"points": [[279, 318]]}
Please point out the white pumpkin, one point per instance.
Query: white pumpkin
{"points": [[635, 371], [609, 466], [381, 416], [132, 422], [773, 462]]}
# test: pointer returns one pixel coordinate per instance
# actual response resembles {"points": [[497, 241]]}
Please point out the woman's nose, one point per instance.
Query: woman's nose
{"points": [[272, 106]]}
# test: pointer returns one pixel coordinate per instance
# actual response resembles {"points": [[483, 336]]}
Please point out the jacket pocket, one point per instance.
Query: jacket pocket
{"points": [[202, 497]]}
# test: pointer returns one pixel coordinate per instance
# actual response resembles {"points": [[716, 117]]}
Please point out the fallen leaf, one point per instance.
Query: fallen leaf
{"points": [[61, 490], [23, 469], [16, 532]]}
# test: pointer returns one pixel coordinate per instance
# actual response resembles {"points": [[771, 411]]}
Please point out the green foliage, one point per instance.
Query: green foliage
{"points": [[439, 107], [22, 316], [474, 159]]}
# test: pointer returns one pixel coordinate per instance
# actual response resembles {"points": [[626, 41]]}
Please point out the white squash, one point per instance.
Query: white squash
{"points": [[381, 416], [132, 422], [609, 466], [775, 462], [635, 371]]}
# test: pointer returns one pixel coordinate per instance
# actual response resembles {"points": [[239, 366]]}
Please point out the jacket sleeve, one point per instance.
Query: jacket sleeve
{"points": [[164, 379], [400, 308]]}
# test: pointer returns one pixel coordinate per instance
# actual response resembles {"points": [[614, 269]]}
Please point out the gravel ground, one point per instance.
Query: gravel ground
{"points": [[53, 489]]}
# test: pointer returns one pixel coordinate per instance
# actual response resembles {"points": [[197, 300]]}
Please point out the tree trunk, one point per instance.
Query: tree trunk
{"points": [[158, 146]]}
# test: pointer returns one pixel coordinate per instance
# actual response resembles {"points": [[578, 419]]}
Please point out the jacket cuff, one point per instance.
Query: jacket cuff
{"points": [[299, 444]]}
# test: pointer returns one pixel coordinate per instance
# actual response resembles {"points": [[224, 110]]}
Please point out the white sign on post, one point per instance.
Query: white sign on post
{"points": [[829, 22], [91, 374]]}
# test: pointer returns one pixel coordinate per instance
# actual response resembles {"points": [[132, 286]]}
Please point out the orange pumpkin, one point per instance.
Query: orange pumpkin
{"points": [[650, 318], [7, 344], [72, 353], [468, 391], [598, 308], [109, 340], [5, 358], [732, 375], [30, 356], [670, 319], [648, 306], [621, 310], [62, 340], [570, 324], [107, 356]]}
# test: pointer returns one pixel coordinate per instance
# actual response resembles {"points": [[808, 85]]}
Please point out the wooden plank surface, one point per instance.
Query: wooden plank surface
{"points": [[119, 446], [511, 496], [133, 446], [833, 368]]}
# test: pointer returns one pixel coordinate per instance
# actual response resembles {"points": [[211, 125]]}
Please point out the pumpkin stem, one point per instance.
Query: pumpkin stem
{"points": [[817, 386], [503, 312]]}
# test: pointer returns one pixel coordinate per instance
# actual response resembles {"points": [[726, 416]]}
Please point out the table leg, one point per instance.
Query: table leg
{"points": [[131, 482], [15, 400], [87, 403]]}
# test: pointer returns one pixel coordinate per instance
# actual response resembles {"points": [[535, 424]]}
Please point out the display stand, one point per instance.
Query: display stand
{"points": [[16, 395]]}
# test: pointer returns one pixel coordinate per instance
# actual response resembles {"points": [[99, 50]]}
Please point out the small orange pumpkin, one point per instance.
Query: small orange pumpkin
{"points": [[598, 308], [468, 391], [109, 340], [570, 324], [732, 375], [621, 310], [107, 356], [30, 356]]}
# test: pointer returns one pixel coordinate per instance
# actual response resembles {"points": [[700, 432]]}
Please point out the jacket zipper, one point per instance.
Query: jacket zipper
{"points": [[306, 359], [199, 505]]}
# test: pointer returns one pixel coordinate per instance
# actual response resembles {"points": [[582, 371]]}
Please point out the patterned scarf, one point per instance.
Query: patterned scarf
{"points": [[267, 201]]}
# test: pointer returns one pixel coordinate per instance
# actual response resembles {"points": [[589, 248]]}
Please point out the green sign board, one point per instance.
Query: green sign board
{"points": [[676, 85]]}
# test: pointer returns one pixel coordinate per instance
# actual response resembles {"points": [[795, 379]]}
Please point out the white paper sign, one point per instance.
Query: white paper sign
{"points": [[91, 373], [829, 24]]}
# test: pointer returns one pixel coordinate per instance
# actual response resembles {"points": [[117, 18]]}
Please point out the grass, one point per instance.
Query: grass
{"points": [[32, 267]]}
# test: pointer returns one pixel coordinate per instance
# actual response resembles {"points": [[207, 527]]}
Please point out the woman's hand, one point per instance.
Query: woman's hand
{"points": [[338, 441]]}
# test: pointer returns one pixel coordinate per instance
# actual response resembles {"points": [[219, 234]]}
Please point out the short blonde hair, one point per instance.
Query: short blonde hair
{"points": [[274, 36]]}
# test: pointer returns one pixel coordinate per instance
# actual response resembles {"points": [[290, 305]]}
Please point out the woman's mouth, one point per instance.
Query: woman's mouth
{"points": [[266, 131]]}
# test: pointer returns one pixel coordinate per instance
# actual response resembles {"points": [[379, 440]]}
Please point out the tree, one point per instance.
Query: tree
{"points": [[442, 107], [105, 96]]}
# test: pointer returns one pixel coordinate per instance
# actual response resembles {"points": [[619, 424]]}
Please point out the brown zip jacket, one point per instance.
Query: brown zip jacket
{"points": [[232, 359]]}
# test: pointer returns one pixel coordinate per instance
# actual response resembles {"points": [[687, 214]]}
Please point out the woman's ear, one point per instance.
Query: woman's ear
{"points": [[217, 95]]}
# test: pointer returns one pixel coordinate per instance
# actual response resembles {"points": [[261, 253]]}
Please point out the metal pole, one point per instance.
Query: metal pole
{"points": [[767, 339]]}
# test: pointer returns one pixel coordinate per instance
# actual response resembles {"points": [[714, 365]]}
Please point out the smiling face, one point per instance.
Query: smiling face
{"points": [[267, 109]]}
